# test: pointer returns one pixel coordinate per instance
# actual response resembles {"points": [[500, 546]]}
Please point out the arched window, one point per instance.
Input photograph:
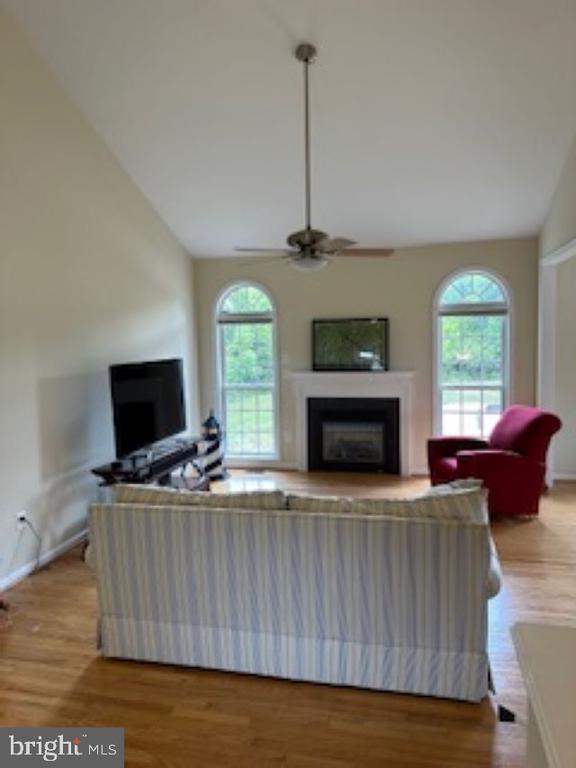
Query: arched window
{"points": [[247, 371], [472, 353]]}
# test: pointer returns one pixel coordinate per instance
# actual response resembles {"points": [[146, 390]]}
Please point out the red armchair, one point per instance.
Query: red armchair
{"points": [[512, 463]]}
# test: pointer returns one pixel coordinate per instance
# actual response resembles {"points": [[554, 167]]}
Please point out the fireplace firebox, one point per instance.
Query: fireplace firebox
{"points": [[354, 434]]}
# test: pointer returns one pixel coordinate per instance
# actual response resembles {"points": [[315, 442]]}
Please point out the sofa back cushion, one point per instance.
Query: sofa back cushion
{"points": [[335, 505], [156, 496], [456, 504]]}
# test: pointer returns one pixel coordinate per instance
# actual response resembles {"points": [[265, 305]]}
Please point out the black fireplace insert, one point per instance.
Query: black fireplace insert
{"points": [[354, 434]]}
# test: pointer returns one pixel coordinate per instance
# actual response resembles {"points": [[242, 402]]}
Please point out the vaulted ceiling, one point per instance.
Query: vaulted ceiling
{"points": [[433, 120]]}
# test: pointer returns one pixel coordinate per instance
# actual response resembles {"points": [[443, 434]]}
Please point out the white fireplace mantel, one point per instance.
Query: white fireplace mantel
{"points": [[360, 384]]}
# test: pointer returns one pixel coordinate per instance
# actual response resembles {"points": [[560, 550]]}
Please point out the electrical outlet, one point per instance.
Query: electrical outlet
{"points": [[21, 520]]}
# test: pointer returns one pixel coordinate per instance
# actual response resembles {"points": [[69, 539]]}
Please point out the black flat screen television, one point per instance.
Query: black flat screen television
{"points": [[359, 344], [147, 403]]}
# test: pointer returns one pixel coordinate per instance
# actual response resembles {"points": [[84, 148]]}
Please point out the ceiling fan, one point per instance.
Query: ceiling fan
{"points": [[311, 249]]}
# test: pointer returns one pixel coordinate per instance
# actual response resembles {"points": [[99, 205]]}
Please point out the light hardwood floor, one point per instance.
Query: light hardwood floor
{"points": [[51, 673]]}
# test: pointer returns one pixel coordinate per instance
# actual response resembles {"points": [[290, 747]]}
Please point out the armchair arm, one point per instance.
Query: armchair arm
{"points": [[514, 482], [486, 462], [443, 447]]}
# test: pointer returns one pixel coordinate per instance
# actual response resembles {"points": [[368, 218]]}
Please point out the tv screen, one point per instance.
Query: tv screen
{"points": [[350, 345], [147, 403]]}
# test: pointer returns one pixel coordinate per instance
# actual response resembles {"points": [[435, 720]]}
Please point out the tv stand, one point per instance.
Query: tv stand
{"points": [[157, 467]]}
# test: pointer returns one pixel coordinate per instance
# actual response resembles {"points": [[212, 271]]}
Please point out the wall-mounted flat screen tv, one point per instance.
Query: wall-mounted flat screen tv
{"points": [[350, 344], [147, 403]]}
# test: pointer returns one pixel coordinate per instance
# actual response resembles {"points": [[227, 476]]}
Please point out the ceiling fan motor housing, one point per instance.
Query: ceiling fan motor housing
{"points": [[306, 52], [306, 237]]}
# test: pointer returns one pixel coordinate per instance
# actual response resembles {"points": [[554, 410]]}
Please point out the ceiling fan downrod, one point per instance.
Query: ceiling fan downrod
{"points": [[306, 53]]}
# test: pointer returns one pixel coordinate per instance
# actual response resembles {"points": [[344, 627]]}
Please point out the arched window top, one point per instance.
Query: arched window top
{"points": [[245, 299], [473, 288]]}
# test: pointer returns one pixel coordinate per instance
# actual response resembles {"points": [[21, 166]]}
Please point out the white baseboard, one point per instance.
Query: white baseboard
{"points": [[420, 471], [25, 570], [571, 478]]}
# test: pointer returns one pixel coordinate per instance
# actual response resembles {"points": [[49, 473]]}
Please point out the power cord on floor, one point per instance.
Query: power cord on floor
{"points": [[30, 525]]}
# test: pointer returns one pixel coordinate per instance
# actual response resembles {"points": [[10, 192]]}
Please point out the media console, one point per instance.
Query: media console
{"points": [[158, 466]]}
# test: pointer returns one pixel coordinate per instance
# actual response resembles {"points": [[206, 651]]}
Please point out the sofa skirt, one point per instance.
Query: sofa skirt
{"points": [[447, 674]]}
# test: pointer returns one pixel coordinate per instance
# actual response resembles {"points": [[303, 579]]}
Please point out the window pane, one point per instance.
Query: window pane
{"points": [[493, 401], [473, 288], [493, 349], [472, 424], [451, 399], [248, 352], [249, 430], [451, 424], [246, 299], [472, 349], [472, 401]]}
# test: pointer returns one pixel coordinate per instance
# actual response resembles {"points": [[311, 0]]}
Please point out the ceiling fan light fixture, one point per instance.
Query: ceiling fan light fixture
{"points": [[308, 263]]}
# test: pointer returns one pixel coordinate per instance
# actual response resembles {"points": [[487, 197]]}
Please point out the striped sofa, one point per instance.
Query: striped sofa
{"points": [[383, 594]]}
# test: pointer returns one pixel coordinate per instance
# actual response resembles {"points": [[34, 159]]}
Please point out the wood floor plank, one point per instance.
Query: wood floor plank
{"points": [[188, 718]]}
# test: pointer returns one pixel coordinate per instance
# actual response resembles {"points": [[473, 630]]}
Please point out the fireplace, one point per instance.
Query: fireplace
{"points": [[354, 434]]}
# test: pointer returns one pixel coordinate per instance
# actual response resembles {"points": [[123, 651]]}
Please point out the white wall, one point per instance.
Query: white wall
{"points": [[89, 276], [401, 287], [559, 230], [565, 381], [560, 224]]}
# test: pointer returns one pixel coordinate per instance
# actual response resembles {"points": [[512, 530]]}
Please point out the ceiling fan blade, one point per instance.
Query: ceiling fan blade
{"points": [[334, 244], [259, 260], [260, 250], [373, 252]]}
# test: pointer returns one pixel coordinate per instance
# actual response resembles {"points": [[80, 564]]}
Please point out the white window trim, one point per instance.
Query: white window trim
{"points": [[272, 317], [471, 309]]}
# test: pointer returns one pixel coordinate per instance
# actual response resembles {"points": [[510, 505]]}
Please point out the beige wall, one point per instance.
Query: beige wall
{"points": [[89, 276], [401, 288]]}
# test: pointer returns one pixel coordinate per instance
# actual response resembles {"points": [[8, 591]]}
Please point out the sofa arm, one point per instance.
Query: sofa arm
{"points": [[443, 447]]}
